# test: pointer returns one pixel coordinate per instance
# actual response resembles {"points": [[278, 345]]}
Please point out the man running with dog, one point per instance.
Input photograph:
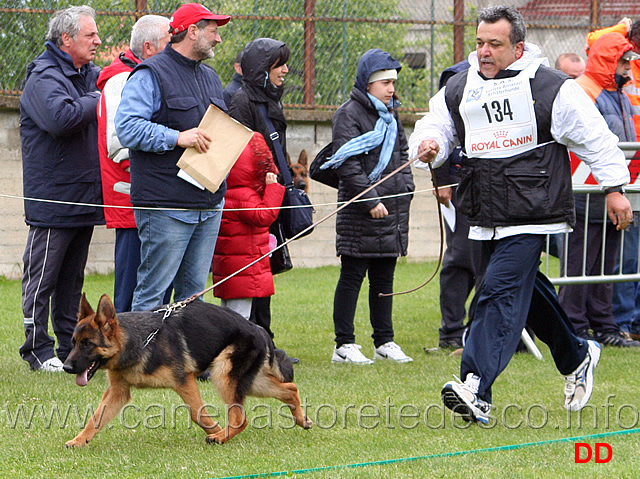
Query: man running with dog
{"points": [[515, 118]]}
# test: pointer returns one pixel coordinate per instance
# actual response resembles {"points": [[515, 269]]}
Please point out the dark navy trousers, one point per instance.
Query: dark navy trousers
{"points": [[54, 262], [126, 262], [512, 294], [590, 305]]}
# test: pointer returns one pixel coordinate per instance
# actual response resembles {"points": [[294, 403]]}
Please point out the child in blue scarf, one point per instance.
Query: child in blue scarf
{"points": [[370, 142]]}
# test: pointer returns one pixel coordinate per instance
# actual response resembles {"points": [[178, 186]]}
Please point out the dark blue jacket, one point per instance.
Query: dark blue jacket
{"points": [[231, 88], [58, 129], [372, 61], [187, 89], [603, 85], [615, 107]]}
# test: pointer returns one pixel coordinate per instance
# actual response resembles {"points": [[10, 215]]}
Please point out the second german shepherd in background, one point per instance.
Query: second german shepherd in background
{"points": [[192, 339]]}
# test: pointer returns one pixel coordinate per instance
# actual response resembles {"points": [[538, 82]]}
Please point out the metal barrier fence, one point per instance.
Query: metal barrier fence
{"points": [[632, 153], [326, 37]]}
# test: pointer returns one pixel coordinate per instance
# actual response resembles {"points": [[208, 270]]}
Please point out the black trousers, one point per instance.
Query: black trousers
{"points": [[54, 262], [261, 313], [457, 278], [352, 273]]}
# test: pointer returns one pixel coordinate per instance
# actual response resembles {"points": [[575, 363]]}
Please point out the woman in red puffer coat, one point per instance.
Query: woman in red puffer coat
{"points": [[244, 235]]}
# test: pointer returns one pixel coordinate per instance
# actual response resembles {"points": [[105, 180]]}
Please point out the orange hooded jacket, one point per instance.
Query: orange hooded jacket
{"points": [[632, 89]]}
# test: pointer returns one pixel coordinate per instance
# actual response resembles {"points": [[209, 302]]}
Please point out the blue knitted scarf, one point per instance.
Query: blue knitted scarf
{"points": [[385, 132]]}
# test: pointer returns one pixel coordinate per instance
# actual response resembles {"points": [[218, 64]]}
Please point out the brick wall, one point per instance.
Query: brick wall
{"points": [[307, 130]]}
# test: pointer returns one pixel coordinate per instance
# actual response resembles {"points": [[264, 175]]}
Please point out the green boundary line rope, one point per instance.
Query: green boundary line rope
{"points": [[434, 456]]}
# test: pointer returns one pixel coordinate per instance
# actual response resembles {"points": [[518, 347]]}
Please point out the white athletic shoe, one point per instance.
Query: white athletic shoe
{"points": [[462, 398], [392, 352], [579, 384], [53, 365], [349, 353]]}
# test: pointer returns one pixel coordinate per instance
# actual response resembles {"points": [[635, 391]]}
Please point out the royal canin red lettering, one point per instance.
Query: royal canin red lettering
{"points": [[523, 140], [495, 145]]}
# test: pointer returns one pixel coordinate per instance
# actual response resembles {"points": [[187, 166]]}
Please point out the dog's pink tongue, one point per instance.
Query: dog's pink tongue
{"points": [[82, 379]]}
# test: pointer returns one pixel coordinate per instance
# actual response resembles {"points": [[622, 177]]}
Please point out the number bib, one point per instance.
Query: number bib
{"points": [[498, 115]]}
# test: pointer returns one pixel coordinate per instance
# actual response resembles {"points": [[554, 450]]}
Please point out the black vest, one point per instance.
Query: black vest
{"points": [[530, 188], [187, 89]]}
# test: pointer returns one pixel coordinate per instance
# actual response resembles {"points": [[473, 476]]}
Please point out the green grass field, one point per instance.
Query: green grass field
{"points": [[378, 421]]}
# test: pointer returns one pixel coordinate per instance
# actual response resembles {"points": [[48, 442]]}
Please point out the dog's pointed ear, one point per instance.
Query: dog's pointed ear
{"points": [[106, 314], [303, 158], [85, 308], [288, 159]]}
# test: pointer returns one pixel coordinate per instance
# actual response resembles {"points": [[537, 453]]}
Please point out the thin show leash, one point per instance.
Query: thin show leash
{"points": [[181, 304], [441, 253], [155, 208]]}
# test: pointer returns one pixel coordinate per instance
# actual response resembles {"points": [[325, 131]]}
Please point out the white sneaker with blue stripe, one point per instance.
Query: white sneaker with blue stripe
{"points": [[579, 384], [462, 398]]}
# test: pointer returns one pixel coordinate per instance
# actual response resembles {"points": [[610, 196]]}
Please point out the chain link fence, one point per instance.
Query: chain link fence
{"points": [[326, 37]]}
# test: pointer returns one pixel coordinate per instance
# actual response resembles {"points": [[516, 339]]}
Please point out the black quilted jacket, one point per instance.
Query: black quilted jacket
{"points": [[358, 234]]}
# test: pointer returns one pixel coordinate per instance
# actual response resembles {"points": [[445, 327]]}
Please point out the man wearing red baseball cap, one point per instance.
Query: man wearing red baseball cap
{"points": [[162, 104], [192, 13]]}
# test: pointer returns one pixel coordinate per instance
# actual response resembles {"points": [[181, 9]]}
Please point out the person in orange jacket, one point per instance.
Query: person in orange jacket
{"points": [[626, 296], [589, 306], [632, 88]]}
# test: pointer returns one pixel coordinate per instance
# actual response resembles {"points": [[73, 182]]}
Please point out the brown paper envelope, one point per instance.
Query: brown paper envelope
{"points": [[228, 139]]}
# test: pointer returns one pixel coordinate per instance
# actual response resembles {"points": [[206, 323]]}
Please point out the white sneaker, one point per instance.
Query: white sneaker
{"points": [[53, 365], [579, 384], [392, 352], [462, 398], [349, 353]]}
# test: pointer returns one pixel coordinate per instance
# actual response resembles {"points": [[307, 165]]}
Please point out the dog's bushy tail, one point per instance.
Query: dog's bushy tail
{"points": [[284, 364]]}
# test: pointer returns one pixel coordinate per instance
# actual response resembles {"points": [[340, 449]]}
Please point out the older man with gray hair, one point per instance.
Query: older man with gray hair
{"points": [[58, 130]]}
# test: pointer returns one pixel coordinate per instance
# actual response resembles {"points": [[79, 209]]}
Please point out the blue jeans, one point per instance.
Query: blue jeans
{"points": [[173, 251], [126, 263], [626, 296]]}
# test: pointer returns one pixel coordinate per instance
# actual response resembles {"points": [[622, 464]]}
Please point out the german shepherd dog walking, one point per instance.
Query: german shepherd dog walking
{"points": [[192, 339]]}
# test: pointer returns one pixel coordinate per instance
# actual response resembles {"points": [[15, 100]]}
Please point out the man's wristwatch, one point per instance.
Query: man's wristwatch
{"points": [[614, 189]]}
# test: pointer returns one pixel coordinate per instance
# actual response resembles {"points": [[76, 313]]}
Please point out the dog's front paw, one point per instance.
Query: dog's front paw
{"points": [[308, 423], [217, 438], [75, 442]]}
